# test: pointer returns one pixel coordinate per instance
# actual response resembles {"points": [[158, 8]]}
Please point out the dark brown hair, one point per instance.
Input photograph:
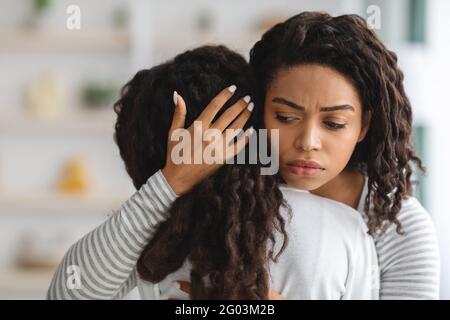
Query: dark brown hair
{"points": [[346, 44], [223, 226]]}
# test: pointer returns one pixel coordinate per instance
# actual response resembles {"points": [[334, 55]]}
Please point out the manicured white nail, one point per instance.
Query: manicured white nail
{"points": [[250, 106], [175, 97], [247, 99], [251, 130], [232, 88]]}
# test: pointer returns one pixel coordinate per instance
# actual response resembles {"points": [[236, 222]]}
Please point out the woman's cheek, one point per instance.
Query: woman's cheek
{"points": [[341, 148]]}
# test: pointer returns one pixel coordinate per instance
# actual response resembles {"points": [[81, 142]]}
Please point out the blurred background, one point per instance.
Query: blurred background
{"points": [[60, 170]]}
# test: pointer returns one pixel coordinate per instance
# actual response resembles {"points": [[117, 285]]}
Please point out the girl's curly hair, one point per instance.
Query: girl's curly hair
{"points": [[224, 224], [346, 44]]}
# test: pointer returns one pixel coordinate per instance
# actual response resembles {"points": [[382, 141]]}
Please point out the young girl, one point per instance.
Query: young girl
{"points": [[213, 231]]}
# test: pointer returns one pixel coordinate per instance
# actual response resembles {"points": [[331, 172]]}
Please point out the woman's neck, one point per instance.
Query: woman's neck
{"points": [[347, 188]]}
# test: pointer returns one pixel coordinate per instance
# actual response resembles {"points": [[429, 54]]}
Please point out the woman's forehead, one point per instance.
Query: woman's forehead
{"points": [[308, 85]]}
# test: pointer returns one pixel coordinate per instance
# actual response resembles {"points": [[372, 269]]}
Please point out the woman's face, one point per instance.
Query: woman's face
{"points": [[319, 116]]}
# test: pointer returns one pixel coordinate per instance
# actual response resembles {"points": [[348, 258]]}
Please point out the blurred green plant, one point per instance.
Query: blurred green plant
{"points": [[40, 6], [120, 17], [97, 95], [205, 20]]}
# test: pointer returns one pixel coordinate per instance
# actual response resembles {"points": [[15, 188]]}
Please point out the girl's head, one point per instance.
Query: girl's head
{"points": [[223, 225], [145, 109], [335, 92]]}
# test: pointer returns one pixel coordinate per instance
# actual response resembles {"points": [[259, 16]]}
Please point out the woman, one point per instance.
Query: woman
{"points": [[375, 154], [336, 94], [217, 226]]}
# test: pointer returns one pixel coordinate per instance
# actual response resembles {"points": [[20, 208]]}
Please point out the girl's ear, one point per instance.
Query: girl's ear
{"points": [[366, 120]]}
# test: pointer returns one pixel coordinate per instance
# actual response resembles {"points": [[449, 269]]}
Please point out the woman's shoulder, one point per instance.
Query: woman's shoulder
{"points": [[411, 213], [411, 206], [413, 217]]}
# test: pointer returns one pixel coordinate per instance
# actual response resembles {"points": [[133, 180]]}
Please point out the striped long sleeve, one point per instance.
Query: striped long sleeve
{"points": [[102, 264], [409, 263]]}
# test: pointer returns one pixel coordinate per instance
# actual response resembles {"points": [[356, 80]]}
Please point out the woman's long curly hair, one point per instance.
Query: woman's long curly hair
{"points": [[224, 224], [346, 44]]}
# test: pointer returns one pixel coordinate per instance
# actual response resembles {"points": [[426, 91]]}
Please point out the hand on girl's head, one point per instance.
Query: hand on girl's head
{"points": [[183, 176]]}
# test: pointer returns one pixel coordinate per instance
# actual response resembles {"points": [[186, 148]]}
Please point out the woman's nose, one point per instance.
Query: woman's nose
{"points": [[308, 138]]}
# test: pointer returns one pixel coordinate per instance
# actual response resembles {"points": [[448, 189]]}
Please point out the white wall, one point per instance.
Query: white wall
{"points": [[437, 86]]}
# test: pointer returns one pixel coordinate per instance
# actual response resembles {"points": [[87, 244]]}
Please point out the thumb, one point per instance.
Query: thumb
{"points": [[179, 116]]}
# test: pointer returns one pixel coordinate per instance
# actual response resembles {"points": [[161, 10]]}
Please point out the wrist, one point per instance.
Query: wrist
{"points": [[173, 181]]}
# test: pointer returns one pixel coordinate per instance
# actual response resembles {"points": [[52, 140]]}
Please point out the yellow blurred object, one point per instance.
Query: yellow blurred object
{"points": [[46, 94], [75, 177]]}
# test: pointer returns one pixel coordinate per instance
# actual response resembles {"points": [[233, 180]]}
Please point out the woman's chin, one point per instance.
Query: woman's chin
{"points": [[303, 183]]}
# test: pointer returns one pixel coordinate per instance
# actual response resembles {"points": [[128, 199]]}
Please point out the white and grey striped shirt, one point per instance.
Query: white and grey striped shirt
{"points": [[105, 259], [409, 263]]}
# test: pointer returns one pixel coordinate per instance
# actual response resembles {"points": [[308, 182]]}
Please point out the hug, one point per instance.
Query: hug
{"points": [[337, 220]]}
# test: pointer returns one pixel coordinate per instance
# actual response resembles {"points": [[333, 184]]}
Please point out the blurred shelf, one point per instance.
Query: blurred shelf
{"points": [[108, 40], [83, 122], [27, 283], [64, 40], [242, 40], [60, 204], [33, 284]]}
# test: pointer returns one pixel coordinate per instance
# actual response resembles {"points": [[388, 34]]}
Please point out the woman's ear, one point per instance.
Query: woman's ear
{"points": [[366, 120]]}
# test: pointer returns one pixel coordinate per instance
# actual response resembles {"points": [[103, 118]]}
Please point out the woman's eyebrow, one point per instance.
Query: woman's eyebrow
{"points": [[336, 108], [302, 108], [288, 103]]}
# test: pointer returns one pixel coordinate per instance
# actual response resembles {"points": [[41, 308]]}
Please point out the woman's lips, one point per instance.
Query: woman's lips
{"points": [[305, 167]]}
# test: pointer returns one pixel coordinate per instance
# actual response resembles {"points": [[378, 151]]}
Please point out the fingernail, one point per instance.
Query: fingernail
{"points": [[247, 99], [232, 88], [250, 106], [178, 285], [175, 97], [251, 130]]}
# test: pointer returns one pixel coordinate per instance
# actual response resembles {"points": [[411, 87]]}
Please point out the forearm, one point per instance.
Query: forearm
{"points": [[104, 259]]}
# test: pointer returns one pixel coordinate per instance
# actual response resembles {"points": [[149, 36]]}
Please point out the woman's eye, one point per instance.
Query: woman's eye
{"points": [[334, 125], [284, 119]]}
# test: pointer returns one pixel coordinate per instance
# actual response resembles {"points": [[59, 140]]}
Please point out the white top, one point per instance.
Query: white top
{"points": [[329, 255]]}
